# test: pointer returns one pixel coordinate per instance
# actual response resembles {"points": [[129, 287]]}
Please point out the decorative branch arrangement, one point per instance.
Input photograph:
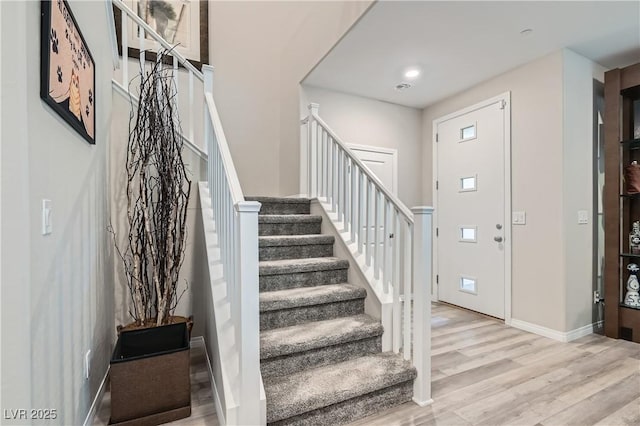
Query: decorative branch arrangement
{"points": [[157, 196]]}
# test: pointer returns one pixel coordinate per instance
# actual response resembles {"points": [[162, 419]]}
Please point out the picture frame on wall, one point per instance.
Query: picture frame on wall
{"points": [[67, 69], [182, 23]]}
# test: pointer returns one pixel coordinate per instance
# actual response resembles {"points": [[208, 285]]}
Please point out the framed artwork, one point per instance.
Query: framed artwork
{"points": [[183, 23], [67, 69]]}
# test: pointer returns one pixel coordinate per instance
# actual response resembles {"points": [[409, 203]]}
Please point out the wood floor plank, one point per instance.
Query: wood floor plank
{"points": [[626, 416], [596, 407]]}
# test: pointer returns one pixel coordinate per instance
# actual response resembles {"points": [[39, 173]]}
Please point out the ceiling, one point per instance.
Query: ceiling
{"points": [[459, 44]]}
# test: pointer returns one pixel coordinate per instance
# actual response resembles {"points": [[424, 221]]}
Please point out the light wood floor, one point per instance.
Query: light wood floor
{"points": [[485, 373]]}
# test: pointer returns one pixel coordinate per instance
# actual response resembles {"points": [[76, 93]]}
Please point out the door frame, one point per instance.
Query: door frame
{"points": [[506, 99], [394, 159]]}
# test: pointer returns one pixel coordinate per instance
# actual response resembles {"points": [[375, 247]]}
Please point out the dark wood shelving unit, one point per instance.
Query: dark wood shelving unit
{"points": [[621, 92]]}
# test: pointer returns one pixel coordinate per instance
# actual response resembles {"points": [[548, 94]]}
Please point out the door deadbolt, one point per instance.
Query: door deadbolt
{"points": [[498, 226]]}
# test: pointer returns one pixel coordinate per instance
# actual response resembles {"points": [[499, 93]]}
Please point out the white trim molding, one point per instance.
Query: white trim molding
{"points": [[93, 410], [560, 336], [381, 150]]}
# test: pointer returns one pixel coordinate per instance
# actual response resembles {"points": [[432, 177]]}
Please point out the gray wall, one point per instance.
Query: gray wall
{"points": [[57, 290], [365, 121]]}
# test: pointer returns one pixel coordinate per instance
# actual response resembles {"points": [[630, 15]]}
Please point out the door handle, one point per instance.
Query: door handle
{"points": [[497, 239]]}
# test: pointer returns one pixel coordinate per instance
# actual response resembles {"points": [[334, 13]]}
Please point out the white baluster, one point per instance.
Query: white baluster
{"points": [[407, 276], [191, 102], [395, 274], [386, 263], [141, 35], [354, 202], [346, 198], [340, 165], [125, 50], [376, 234], [362, 195], [369, 204]]}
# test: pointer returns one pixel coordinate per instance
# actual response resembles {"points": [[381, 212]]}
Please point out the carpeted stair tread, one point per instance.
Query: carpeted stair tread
{"points": [[282, 200], [292, 266], [292, 395], [278, 205], [294, 240], [289, 218], [317, 334], [307, 296]]}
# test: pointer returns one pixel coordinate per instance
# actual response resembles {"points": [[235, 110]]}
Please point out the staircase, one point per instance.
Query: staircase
{"points": [[320, 354]]}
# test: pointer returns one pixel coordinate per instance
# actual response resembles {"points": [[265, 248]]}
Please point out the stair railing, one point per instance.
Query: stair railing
{"points": [[129, 19], [236, 224], [396, 241], [235, 220]]}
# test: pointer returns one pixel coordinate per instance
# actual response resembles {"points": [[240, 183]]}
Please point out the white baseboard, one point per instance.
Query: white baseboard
{"points": [[560, 336], [88, 421], [216, 396]]}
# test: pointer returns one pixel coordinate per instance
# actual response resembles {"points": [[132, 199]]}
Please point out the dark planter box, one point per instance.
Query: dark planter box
{"points": [[150, 382]]}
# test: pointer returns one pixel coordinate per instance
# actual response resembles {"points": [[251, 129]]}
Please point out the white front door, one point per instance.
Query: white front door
{"points": [[471, 223]]}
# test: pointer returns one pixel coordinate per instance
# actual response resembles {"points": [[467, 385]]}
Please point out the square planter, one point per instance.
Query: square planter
{"points": [[150, 382]]}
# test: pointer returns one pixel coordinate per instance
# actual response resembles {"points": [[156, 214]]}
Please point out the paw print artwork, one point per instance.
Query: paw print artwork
{"points": [[54, 41], [59, 72], [86, 110], [90, 96]]}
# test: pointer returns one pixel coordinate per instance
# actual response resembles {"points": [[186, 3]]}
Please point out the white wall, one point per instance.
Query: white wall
{"points": [[578, 75], [261, 51], [365, 121], [57, 290], [538, 290], [551, 149]]}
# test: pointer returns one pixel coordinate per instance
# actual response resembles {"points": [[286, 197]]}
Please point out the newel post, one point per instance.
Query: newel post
{"points": [[207, 72], [422, 255], [312, 151], [248, 315]]}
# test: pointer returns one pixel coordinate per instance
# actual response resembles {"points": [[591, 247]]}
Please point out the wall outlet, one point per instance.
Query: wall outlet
{"points": [[87, 364], [519, 218], [583, 217]]}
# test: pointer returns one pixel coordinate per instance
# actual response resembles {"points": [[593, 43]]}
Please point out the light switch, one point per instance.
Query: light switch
{"points": [[583, 217], [519, 218], [47, 223]]}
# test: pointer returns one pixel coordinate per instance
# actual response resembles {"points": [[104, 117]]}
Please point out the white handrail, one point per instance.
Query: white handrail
{"points": [[227, 162], [373, 178], [236, 226], [156, 37]]}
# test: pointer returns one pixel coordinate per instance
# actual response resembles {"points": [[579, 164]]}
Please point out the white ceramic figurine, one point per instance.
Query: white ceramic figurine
{"points": [[632, 298]]}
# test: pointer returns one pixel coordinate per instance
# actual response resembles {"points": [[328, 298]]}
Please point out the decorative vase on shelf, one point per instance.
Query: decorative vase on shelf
{"points": [[632, 178], [634, 238], [632, 297]]}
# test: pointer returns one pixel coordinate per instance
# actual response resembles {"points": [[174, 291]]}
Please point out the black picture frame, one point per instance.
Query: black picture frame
{"points": [[150, 56], [66, 60]]}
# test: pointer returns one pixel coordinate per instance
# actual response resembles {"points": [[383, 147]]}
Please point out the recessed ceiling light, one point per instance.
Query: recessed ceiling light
{"points": [[412, 73], [526, 32], [403, 86]]}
